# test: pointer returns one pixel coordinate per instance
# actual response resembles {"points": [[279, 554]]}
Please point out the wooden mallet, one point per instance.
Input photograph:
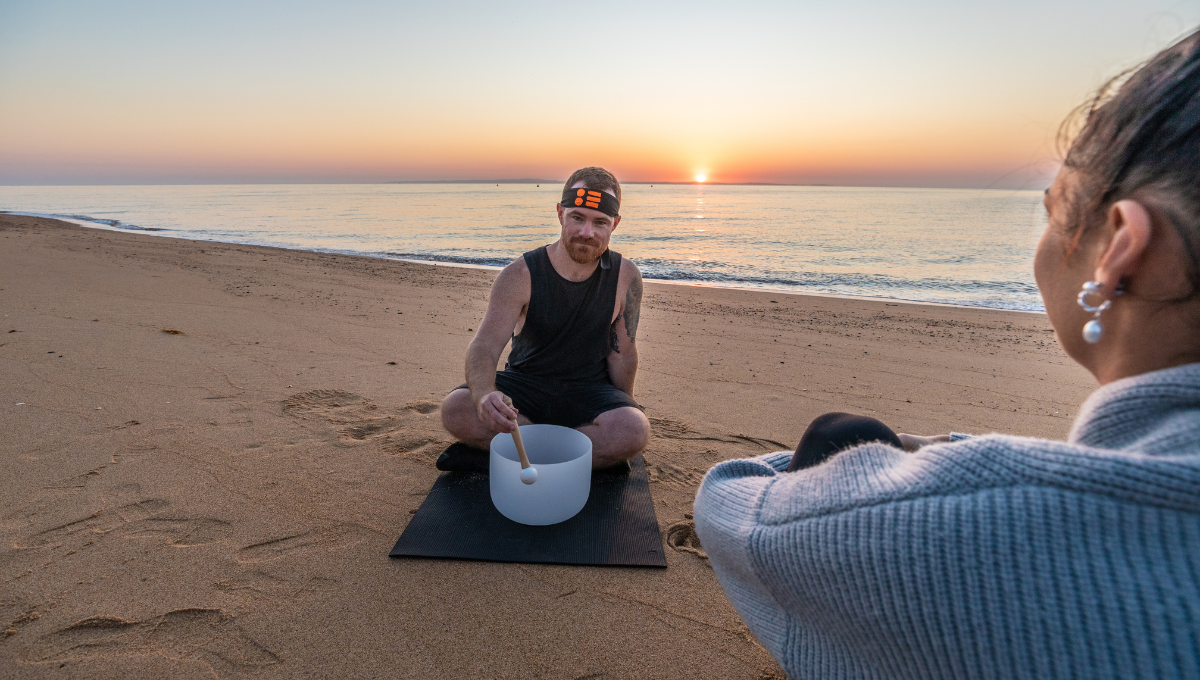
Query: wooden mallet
{"points": [[528, 472]]}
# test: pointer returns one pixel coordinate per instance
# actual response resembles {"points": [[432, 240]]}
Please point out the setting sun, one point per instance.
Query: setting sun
{"points": [[701, 177]]}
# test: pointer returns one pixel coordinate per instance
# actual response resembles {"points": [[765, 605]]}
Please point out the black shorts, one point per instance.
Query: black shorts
{"points": [[546, 401]]}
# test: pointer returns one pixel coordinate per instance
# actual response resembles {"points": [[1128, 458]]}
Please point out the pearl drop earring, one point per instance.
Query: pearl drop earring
{"points": [[1093, 330]]}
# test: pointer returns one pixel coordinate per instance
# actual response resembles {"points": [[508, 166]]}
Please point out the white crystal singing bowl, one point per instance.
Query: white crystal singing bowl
{"points": [[563, 458]]}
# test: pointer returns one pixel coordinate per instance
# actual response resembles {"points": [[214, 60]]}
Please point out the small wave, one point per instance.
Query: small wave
{"points": [[452, 259], [996, 294], [87, 218], [115, 224], [1013, 295]]}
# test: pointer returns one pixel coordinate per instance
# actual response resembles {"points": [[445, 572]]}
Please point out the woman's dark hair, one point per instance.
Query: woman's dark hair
{"points": [[1139, 137]]}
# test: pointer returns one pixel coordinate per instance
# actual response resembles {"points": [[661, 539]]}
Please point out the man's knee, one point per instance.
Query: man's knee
{"points": [[629, 426], [640, 427], [455, 406]]}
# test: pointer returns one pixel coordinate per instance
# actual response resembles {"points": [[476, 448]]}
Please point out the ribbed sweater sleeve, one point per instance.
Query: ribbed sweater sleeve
{"points": [[990, 557]]}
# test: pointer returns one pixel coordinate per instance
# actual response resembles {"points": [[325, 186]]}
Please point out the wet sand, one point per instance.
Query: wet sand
{"points": [[220, 502]]}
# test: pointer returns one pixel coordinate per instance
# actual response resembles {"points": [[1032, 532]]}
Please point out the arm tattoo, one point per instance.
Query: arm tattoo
{"points": [[612, 335], [633, 306]]}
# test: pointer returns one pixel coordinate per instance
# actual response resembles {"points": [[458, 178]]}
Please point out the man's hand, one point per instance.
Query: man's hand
{"points": [[494, 413], [912, 442]]}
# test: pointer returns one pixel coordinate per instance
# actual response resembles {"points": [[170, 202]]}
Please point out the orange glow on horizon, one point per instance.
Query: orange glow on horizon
{"points": [[153, 142]]}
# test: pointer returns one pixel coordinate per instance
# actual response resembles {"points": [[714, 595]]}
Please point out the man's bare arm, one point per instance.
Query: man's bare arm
{"points": [[623, 360], [509, 297], [633, 306]]}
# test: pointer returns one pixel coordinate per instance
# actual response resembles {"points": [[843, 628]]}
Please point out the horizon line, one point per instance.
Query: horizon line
{"points": [[512, 181], [534, 180]]}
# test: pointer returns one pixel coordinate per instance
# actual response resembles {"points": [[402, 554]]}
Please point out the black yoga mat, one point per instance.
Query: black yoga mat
{"points": [[617, 527]]}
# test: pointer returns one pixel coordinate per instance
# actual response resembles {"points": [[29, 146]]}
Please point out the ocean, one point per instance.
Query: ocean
{"points": [[954, 246]]}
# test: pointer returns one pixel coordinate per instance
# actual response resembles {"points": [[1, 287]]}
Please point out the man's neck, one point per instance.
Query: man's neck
{"points": [[566, 267]]}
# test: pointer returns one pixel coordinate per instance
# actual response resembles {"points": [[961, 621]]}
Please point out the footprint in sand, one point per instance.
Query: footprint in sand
{"points": [[259, 584], [126, 425], [423, 406], [671, 429], [673, 476], [361, 431], [49, 499], [333, 405], [668, 428], [682, 536], [210, 636], [44, 502], [414, 445], [408, 433], [181, 533], [141, 519], [25, 618], [333, 538], [98, 523]]}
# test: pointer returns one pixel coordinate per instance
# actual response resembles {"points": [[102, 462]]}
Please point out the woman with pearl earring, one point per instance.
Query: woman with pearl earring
{"points": [[871, 554]]}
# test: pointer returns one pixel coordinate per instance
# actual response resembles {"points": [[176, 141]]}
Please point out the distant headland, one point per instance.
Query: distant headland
{"points": [[528, 180], [523, 180]]}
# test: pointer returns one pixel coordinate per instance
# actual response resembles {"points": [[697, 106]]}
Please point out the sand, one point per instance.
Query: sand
{"points": [[220, 502]]}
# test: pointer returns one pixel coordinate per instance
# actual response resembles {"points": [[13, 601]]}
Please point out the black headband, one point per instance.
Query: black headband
{"points": [[596, 200]]}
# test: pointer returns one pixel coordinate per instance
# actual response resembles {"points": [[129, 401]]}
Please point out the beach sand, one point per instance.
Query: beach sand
{"points": [[220, 502]]}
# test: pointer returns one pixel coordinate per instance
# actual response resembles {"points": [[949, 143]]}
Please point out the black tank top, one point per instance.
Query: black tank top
{"points": [[567, 331]]}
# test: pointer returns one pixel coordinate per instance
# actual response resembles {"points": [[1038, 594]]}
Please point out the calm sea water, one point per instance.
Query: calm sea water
{"points": [[967, 247]]}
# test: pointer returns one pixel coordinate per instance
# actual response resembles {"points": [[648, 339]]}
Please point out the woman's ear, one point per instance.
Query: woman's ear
{"points": [[1131, 228]]}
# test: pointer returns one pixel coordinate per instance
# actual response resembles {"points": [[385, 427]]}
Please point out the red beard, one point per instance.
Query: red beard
{"points": [[583, 252]]}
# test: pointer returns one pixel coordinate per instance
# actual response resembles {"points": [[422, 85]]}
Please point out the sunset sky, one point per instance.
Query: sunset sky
{"points": [[858, 93]]}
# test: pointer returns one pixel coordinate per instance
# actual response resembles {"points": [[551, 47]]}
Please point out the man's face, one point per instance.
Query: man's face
{"points": [[585, 232]]}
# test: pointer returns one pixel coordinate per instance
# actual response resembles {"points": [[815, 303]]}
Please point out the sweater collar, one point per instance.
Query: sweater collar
{"points": [[1123, 412]]}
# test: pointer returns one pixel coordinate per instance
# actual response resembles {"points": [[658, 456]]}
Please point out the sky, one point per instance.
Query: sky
{"points": [[861, 93]]}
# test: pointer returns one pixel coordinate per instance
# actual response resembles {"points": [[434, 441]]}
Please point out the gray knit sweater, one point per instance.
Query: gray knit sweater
{"points": [[993, 557]]}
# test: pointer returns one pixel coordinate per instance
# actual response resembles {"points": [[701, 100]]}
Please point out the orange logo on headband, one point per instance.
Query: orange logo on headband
{"points": [[591, 198]]}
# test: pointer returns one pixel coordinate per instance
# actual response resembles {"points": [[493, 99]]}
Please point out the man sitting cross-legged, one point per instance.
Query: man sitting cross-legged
{"points": [[571, 309]]}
